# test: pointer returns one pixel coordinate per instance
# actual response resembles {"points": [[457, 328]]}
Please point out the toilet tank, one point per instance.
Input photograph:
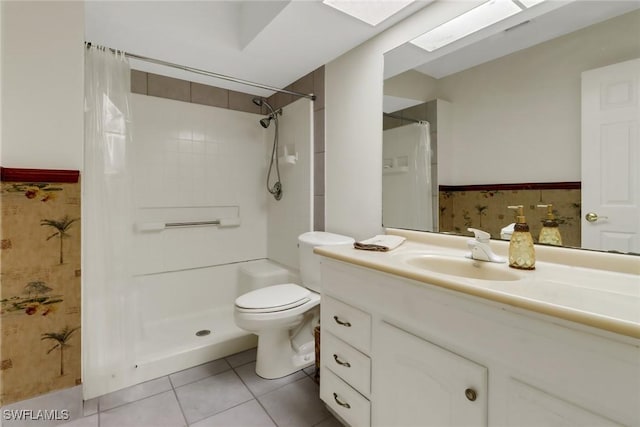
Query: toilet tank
{"points": [[258, 274], [310, 262]]}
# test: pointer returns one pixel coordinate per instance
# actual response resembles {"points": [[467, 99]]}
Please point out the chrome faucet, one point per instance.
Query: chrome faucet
{"points": [[480, 249]]}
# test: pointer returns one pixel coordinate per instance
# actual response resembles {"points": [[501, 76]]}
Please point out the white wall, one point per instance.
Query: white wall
{"points": [[292, 215], [534, 96], [197, 163], [1, 80], [42, 60], [353, 143], [523, 110], [353, 124]]}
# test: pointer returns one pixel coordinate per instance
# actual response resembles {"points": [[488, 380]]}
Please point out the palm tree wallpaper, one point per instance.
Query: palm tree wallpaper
{"points": [[36, 299], [60, 339], [61, 226], [40, 305], [487, 210]]}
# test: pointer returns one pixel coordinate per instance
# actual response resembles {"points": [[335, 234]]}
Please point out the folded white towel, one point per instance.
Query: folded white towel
{"points": [[381, 243]]}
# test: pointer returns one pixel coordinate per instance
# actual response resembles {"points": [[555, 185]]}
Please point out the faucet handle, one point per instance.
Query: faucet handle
{"points": [[481, 236]]}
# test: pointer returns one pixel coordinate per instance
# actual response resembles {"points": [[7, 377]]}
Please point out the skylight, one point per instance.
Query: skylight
{"points": [[372, 12], [529, 3], [474, 20]]}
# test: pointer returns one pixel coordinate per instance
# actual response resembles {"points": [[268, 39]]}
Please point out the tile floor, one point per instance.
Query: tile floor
{"points": [[226, 393]]}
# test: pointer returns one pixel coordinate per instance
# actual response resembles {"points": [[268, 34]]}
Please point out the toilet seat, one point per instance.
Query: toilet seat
{"points": [[273, 298]]}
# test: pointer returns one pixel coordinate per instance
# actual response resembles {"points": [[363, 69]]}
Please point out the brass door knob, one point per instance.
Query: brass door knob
{"points": [[593, 217]]}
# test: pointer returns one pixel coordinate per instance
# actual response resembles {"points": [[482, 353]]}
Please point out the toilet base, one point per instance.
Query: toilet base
{"points": [[277, 358]]}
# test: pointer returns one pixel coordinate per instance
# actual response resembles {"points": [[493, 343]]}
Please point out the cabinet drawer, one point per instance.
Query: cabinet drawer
{"points": [[346, 362], [344, 400], [347, 323]]}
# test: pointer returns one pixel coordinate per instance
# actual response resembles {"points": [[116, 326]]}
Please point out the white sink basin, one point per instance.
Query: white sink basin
{"points": [[463, 267]]}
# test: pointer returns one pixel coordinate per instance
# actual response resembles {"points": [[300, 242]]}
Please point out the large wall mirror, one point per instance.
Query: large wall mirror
{"points": [[540, 108]]}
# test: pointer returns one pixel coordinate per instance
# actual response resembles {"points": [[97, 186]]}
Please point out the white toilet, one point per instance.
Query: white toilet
{"points": [[284, 316]]}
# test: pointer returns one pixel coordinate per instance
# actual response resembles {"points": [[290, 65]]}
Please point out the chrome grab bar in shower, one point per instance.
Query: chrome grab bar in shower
{"points": [[190, 224], [159, 226]]}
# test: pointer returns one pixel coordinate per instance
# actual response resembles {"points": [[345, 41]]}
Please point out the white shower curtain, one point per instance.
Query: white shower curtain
{"points": [[107, 221], [407, 192], [422, 212]]}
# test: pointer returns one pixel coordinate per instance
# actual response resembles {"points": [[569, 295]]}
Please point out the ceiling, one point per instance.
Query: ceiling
{"points": [[542, 22], [271, 42], [275, 42]]}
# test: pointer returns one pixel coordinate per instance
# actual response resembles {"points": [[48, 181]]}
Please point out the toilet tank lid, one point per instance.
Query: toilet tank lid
{"points": [[320, 238]]}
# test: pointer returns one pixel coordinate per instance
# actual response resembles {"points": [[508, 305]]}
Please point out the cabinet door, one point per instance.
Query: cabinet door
{"points": [[417, 383], [531, 407]]}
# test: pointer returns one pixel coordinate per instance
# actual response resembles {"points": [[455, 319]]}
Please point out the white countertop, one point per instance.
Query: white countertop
{"points": [[602, 299]]}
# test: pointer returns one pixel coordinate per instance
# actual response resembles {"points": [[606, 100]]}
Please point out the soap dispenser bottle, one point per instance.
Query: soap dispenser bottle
{"points": [[550, 233], [521, 252]]}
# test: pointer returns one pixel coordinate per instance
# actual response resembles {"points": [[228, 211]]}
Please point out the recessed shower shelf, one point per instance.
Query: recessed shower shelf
{"points": [[288, 158]]}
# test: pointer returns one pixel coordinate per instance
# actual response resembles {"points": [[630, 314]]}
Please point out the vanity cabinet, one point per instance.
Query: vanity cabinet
{"points": [[345, 364], [422, 384], [436, 357]]}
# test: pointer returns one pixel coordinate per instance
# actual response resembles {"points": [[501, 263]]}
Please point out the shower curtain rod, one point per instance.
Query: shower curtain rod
{"points": [[404, 118], [210, 73]]}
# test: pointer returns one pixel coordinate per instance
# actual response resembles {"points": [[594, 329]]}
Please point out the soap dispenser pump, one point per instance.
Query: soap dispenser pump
{"points": [[521, 251], [550, 233]]}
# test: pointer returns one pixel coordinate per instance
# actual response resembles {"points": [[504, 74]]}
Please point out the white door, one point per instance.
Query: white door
{"points": [[611, 157], [419, 384]]}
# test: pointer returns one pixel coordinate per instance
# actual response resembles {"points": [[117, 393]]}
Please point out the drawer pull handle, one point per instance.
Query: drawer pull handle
{"points": [[471, 394], [341, 323], [340, 362], [340, 402]]}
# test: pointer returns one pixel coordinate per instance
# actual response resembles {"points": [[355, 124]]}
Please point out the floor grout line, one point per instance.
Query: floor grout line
{"points": [[199, 379], [256, 397], [173, 389], [184, 416], [219, 412], [134, 401]]}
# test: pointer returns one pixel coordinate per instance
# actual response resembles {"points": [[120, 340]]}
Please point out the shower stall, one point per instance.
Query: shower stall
{"points": [[192, 219]]}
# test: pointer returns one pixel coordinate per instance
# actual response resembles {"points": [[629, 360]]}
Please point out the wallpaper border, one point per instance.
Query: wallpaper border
{"points": [[39, 175], [569, 185]]}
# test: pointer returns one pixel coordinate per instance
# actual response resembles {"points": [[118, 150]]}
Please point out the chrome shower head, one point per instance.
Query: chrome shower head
{"points": [[265, 122], [261, 101]]}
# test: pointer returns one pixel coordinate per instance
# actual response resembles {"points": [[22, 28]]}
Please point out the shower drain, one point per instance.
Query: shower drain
{"points": [[203, 333]]}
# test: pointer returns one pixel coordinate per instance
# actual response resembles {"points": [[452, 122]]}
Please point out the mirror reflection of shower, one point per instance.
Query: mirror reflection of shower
{"points": [[276, 189]]}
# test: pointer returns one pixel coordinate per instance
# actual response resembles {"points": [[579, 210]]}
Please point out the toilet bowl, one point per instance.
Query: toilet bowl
{"points": [[284, 315]]}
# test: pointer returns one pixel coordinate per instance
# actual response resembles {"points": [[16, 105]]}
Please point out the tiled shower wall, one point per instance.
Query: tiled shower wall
{"points": [[196, 163], [182, 90]]}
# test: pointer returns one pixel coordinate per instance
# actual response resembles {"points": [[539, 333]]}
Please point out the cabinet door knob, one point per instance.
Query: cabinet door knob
{"points": [[341, 323], [340, 402], [340, 362], [471, 394]]}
